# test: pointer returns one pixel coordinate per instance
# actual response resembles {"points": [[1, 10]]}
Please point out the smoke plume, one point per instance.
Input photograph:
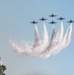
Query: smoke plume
{"points": [[44, 48]]}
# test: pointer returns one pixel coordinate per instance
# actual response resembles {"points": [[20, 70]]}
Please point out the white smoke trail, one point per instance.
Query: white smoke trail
{"points": [[23, 50], [19, 49], [53, 36], [45, 48], [59, 38], [36, 48], [67, 37], [44, 41], [45, 37], [36, 40], [61, 42], [46, 53], [55, 42], [66, 40]]}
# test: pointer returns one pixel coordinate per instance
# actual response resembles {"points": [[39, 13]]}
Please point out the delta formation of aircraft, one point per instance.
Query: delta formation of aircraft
{"points": [[45, 37], [52, 22]]}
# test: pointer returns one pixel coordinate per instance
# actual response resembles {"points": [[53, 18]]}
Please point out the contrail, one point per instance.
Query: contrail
{"points": [[36, 40], [66, 40], [22, 50], [67, 37], [36, 48], [55, 42], [45, 37], [46, 53], [44, 48], [16, 47], [59, 38], [44, 41]]}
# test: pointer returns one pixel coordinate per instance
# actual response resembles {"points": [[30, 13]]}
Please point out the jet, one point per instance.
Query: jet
{"points": [[42, 19], [52, 15], [61, 18], [33, 22], [70, 21], [52, 22]]}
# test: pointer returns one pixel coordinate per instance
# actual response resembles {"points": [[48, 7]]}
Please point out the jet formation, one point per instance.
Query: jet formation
{"points": [[52, 22], [44, 47]]}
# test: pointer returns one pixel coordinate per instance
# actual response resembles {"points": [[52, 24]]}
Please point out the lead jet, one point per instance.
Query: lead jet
{"points": [[61, 18], [70, 21], [34, 22], [52, 15], [42, 19], [52, 22]]}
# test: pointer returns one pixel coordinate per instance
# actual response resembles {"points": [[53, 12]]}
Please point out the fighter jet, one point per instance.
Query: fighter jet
{"points": [[42, 19], [61, 18], [70, 21], [52, 15], [52, 22], [34, 22]]}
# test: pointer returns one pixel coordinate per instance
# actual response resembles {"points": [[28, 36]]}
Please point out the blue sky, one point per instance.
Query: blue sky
{"points": [[15, 16]]}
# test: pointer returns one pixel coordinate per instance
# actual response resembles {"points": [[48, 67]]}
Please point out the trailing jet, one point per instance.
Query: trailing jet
{"points": [[61, 18], [52, 15], [34, 22], [52, 22], [70, 21], [42, 19]]}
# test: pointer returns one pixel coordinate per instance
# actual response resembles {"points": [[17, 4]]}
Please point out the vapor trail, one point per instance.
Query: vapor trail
{"points": [[36, 40], [24, 50], [16, 47], [66, 40], [59, 36], [44, 48], [53, 35], [55, 42], [46, 53], [36, 48], [45, 37], [44, 42], [67, 37]]}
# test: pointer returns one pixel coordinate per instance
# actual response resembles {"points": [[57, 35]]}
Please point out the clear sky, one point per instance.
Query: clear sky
{"points": [[15, 16]]}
